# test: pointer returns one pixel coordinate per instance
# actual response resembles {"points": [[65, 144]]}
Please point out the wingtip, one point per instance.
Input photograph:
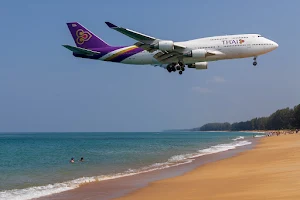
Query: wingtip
{"points": [[110, 25], [67, 46]]}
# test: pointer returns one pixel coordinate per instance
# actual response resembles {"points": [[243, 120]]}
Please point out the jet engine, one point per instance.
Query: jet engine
{"points": [[197, 53], [165, 45], [199, 65]]}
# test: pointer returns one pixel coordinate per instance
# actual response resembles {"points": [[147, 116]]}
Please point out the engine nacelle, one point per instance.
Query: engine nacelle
{"points": [[197, 53], [165, 45], [199, 65]]}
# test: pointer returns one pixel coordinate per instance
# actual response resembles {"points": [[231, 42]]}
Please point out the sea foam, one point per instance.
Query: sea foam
{"points": [[258, 136], [238, 138]]}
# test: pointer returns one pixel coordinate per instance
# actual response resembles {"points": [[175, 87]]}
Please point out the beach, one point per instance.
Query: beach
{"points": [[269, 171], [245, 168]]}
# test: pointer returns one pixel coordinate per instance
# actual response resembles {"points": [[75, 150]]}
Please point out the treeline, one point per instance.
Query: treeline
{"points": [[281, 119]]}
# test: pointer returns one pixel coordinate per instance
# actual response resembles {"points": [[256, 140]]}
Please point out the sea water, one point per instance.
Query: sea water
{"points": [[37, 164]]}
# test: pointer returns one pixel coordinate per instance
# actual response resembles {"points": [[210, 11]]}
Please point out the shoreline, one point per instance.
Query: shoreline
{"points": [[268, 171], [114, 188]]}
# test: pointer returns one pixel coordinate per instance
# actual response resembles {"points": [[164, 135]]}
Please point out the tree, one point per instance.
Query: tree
{"points": [[281, 119], [297, 116], [215, 127]]}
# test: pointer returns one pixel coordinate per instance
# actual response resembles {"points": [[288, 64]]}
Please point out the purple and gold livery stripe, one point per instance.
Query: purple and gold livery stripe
{"points": [[124, 54]]}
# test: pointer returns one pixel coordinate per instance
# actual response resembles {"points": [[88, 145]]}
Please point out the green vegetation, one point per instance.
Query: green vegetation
{"points": [[281, 119]]}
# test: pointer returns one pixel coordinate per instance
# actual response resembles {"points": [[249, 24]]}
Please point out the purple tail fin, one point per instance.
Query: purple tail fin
{"points": [[85, 38]]}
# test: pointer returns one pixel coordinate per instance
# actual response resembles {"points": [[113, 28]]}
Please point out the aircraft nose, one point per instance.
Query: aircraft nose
{"points": [[272, 45], [275, 44]]}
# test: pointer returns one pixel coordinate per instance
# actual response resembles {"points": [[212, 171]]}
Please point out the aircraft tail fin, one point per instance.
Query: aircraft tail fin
{"points": [[85, 38]]}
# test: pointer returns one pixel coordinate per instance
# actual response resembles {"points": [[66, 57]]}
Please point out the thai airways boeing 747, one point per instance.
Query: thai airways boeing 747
{"points": [[173, 56]]}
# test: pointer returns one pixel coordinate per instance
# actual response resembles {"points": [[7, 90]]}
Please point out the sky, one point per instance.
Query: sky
{"points": [[44, 88]]}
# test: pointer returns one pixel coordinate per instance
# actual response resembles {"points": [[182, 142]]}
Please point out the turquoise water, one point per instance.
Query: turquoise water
{"points": [[30, 160]]}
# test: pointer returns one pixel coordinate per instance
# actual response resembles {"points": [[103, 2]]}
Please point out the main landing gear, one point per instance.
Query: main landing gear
{"points": [[176, 67], [254, 61]]}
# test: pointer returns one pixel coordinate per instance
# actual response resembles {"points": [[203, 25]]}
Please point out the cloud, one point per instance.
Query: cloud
{"points": [[217, 79], [201, 90]]}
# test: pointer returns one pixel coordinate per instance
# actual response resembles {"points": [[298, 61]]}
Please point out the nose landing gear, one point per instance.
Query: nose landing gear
{"points": [[254, 61]]}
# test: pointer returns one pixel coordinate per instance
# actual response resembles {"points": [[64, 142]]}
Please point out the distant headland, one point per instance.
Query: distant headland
{"points": [[287, 118]]}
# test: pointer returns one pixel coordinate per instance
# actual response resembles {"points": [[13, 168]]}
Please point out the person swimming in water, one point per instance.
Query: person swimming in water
{"points": [[81, 159], [72, 160]]}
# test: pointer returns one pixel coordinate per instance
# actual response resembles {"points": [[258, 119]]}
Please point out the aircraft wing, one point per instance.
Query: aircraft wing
{"points": [[145, 41], [166, 57], [81, 50]]}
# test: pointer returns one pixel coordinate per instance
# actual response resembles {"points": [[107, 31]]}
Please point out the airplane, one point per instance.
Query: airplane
{"points": [[173, 56]]}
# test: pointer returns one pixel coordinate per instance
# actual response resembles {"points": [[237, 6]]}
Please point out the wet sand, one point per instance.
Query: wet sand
{"points": [[269, 171], [109, 189]]}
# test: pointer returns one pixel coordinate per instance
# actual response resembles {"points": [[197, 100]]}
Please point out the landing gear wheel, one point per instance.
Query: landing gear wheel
{"points": [[180, 72], [178, 67], [169, 69], [182, 68], [173, 69], [254, 61]]}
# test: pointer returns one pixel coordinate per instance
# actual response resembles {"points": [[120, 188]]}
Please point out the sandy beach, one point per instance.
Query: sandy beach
{"points": [[269, 171], [118, 187]]}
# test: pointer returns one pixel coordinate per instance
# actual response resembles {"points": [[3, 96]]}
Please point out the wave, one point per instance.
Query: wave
{"points": [[238, 138], [223, 147], [40, 191], [258, 136]]}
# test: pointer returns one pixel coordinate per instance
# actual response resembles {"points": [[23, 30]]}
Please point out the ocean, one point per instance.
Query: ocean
{"points": [[33, 165]]}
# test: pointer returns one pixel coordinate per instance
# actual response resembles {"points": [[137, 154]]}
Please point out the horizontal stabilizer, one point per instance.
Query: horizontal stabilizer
{"points": [[83, 51]]}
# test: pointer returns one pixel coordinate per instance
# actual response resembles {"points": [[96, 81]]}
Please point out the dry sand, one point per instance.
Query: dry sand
{"points": [[270, 171]]}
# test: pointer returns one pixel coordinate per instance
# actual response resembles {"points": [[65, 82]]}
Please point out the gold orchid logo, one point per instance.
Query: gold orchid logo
{"points": [[82, 36]]}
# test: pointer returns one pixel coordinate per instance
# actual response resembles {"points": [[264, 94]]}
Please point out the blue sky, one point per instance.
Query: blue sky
{"points": [[44, 88]]}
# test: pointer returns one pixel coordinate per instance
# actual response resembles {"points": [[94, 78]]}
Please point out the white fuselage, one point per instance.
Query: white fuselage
{"points": [[224, 47]]}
